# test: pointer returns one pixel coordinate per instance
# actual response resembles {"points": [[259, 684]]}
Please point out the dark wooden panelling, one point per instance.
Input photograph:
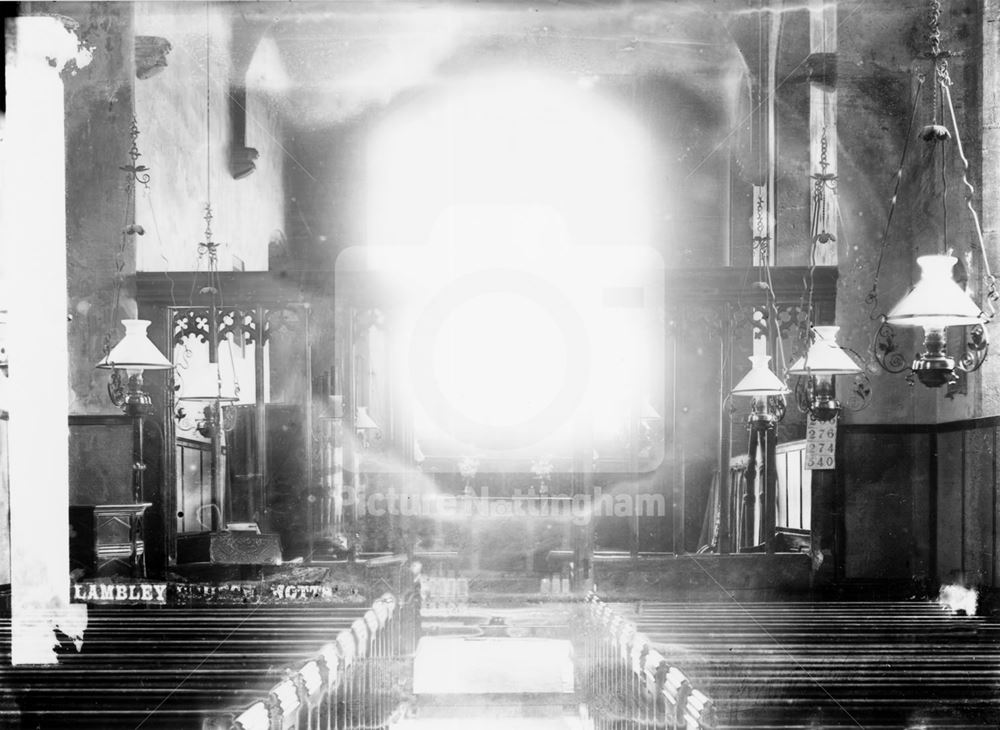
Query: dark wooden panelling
{"points": [[696, 437], [923, 487], [980, 483], [287, 488], [4, 509], [100, 460], [940, 479], [950, 472], [880, 482], [100, 471], [995, 509]]}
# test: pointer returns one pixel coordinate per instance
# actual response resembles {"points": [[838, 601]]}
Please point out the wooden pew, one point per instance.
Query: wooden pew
{"points": [[168, 667], [798, 664]]}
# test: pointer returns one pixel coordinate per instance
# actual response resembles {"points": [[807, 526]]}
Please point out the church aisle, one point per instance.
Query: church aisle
{"points": [[495, 667]]}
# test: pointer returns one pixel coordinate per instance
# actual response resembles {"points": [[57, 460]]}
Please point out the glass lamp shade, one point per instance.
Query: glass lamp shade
{"points": [[364, 422], [825, 356], [202, 384], [936, 300], [135, 352], [648, 413], [760, 381]]}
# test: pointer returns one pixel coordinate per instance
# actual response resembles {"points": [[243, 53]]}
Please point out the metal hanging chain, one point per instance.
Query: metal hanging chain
{"points": [[806, 303], [932, 132], [137, 173], [208, 108], [209, 248], [937, 132], [824, 183], [934, 24], [134, 173], [884, 349], [824, 151], [935, 54], [772, 306], [943, 97], [944, 200], [761, 243], [872, 298], [992, 294]]}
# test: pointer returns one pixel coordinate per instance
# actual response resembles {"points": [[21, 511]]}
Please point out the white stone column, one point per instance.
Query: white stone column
{"points": [[34, 254]]}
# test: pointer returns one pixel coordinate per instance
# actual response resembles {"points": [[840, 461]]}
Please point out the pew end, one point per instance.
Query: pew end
{"points": [[699, 713], [676, 694], [255, 717], [310, 684], [283, 704]]}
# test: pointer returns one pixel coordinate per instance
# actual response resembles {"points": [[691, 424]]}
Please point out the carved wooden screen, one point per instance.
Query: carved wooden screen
{"points": [[248, 459]]}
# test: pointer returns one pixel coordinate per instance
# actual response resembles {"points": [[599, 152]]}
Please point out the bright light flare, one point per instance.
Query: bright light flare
{"points": [[544, 347], [492, 202], [512, 140], [501, 356]]}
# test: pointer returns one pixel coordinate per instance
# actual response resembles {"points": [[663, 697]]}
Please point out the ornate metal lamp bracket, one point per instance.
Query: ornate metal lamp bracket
{"points": [[977, 348], [137, 173], [886, 352]]}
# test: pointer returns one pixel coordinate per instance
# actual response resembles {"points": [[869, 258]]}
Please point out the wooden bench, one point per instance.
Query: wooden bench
{"points": [[789, 665], [167, 667]]}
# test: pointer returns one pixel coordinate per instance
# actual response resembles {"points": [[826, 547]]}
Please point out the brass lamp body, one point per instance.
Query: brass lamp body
{"points": [[933, 367]]}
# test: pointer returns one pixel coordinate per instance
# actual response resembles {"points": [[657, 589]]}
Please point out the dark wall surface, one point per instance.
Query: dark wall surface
{"points": [[921, 503]]}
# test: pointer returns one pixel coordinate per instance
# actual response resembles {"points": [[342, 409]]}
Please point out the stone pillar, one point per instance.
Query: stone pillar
{"points": [[98, 120], [824, 507], [823, 120], [34, 249], [990, 375], [990, 405]]}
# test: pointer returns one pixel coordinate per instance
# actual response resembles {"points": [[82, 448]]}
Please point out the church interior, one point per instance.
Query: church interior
{"points": [[381, 364]]}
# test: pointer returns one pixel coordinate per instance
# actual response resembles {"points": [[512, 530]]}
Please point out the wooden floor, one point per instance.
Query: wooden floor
{"points": [[785, 665], [165, 667]]}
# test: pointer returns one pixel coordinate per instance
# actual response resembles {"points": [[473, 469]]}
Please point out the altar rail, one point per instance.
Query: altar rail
{"points": [[629, 684]]}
